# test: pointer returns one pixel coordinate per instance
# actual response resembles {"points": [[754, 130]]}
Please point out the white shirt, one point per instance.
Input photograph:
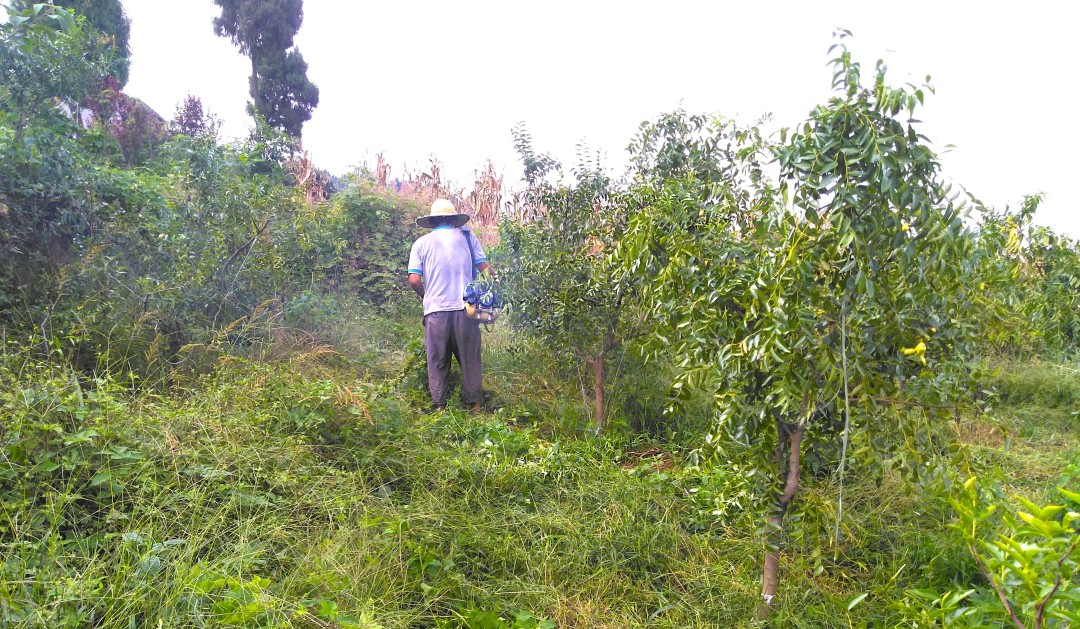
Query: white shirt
{"points": [[442, 257]]}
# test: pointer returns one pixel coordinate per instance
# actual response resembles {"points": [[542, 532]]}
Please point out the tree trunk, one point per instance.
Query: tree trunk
{"points": [[791, 437], [20, 124], [597, 366], [255, 101], [255, 87]]}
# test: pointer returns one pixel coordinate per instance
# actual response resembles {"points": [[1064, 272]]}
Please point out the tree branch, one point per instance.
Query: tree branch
{"points": [[583, 356], [993, 584], [241, 248], [886, 400], [1057, 583]]}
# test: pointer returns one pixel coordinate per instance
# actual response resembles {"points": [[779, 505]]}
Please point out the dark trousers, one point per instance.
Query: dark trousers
{"points": [[449, 334]]}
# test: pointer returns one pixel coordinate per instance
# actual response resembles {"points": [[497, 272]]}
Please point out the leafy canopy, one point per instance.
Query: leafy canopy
{"points": [[775, 292], [107, 16]]}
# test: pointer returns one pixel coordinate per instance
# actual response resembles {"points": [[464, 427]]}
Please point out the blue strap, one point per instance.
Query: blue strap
{"points": [[472, 254]]}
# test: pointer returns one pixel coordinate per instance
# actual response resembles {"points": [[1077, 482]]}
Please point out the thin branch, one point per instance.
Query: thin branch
{"points": [[1001, 595], [847, 425], [1057, 583], [583, 356], [584, 397], [243, 247], [1068, 552], [886, 400]]}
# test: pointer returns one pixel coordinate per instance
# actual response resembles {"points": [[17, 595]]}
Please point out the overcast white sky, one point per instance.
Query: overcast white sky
{"points": [[449, 79]]}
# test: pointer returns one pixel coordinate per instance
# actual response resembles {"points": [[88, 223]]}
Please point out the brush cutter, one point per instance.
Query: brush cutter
{"points": [[483, 301]]}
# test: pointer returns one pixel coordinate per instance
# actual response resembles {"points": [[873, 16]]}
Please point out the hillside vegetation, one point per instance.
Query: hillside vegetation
{"points": [[792, 380]]}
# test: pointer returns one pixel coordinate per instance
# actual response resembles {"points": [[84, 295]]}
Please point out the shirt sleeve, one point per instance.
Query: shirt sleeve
{"points": [[478, 250], [416, 263]]}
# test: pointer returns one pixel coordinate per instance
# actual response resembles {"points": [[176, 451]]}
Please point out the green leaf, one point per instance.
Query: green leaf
{"points": [[855, 601], [1042, 513], [1071, 495], [924, 593], [47, 466]]}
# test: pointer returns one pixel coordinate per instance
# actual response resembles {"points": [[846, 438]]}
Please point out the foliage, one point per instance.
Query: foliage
{"points": [[1025, 556], [181, 520], [219, 244], [108, 17], [136, 128], [46, 55], [127, 267], [561, 282], [1025, 280], [282, 92], [191, 120], [85, 452], [52, 56], [54, 193], [372, 243], [535, 167], [259, 29], [279, 87], [792, 303]]}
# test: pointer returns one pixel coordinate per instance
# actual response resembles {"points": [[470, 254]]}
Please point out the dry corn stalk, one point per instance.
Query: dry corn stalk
{"points": [[382, 170], [519, 208], [309, 179], [486, 197]]}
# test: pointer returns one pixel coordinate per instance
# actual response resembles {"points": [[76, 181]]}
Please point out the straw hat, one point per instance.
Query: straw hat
{"points": [[443, 207]]}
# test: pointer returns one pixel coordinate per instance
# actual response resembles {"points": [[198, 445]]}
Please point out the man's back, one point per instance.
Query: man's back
{"points": [[443, 258]]}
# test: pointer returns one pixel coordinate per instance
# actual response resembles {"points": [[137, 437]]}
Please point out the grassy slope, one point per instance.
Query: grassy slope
{"points": [[321, 474]]}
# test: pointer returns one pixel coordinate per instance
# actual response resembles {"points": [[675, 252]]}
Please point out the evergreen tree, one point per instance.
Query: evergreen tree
{"points": [[287, 95], [107, 16], [264, 30]]}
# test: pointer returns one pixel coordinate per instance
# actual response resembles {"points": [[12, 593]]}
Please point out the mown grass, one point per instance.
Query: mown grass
{"points": [[307, 488], [1032, 432]]}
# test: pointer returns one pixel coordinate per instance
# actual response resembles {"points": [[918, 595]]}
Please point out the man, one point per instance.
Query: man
{"points": [[440, 267]]}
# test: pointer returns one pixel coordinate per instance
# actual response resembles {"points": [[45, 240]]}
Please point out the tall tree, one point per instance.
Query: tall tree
{"points": [[107, 16], [264, 30]]}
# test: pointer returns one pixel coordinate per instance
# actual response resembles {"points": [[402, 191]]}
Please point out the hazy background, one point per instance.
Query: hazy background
{"points": [[449, 79]]}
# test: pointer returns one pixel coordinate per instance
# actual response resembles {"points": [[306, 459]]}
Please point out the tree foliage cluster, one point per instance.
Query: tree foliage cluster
{"points": [[46, 194], [560, 275], [109, 18], [1026, 282]]}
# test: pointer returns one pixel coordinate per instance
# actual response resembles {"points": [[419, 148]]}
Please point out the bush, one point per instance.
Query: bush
{"points": [[374, 237]]}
